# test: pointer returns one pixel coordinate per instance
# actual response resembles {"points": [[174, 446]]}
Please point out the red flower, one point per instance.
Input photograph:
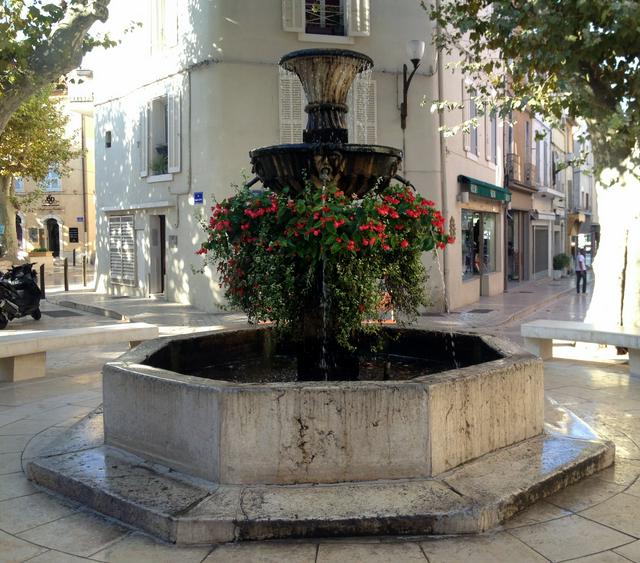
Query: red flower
{"points": [[404, 243]]}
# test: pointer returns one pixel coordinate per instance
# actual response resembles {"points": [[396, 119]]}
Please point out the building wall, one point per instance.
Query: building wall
{"points": [[225, 70], [74, 206]]}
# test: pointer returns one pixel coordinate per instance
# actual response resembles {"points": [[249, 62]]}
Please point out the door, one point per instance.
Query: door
{"points": [[157, 254], [53, 236]]}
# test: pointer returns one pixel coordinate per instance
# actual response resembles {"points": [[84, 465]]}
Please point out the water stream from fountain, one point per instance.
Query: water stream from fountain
{"points": [[451, 342]]}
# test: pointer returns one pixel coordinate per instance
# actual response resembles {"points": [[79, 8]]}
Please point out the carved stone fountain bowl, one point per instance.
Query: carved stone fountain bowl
{"points": [[355, 169], [326, 74], [287, 432]]}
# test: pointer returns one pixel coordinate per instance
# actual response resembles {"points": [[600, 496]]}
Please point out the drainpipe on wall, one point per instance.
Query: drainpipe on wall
{"points": [[443, 169], [83, 161]]}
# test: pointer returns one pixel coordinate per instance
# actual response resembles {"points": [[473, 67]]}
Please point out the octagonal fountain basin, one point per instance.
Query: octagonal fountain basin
{"points": [[225, 406], [355, 169]]}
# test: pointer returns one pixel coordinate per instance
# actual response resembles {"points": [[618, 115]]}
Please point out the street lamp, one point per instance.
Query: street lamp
{"points": [[415, 51]]}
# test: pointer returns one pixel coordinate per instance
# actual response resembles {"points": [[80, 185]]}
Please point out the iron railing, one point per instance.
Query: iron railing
{"points": [[324, 17]]}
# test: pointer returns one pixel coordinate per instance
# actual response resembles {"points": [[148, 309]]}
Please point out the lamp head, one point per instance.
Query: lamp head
{"points": [[415, 51]]}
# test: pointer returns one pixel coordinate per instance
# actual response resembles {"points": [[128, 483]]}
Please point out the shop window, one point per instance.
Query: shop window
{"points": [[478, 243]]}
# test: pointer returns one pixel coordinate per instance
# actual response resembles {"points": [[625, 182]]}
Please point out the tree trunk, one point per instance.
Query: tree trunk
{"points": [[8, 219], [616, 268]]}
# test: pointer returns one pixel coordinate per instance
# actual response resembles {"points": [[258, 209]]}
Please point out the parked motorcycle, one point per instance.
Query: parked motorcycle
{"points": [[19, 294]]}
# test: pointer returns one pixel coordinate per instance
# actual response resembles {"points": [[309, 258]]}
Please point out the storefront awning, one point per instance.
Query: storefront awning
{"points": [[484, 189]]}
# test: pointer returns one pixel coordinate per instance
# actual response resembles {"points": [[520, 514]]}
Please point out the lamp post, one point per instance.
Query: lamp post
{"points": [[415, 50]]}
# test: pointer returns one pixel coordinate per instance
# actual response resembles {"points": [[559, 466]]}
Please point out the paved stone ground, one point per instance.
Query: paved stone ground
{"points": [[596, 521]]}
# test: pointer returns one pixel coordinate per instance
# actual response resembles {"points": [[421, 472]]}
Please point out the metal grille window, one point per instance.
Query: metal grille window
{"points": [[324, 17], [122, 263]]}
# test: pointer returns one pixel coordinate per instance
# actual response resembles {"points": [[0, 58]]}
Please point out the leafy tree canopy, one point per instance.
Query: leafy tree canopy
{"points": [[35, 140], [573, 58], [40, 42]]}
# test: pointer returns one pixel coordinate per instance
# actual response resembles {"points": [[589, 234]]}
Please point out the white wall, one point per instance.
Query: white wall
{"points": [[226, 68]]}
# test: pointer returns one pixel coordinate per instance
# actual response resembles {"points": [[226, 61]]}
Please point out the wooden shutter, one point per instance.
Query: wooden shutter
{"points": [[362, 118], [487, 136], [143, 143], [122, 266], [128, 245], [293, 15], [173, 132], [466, 137], [359, 17], [292, 103], [115, 256], [170, 30]]}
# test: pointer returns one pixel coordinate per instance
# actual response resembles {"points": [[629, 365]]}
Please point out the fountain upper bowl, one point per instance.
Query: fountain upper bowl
{"points": [[353, 168]]}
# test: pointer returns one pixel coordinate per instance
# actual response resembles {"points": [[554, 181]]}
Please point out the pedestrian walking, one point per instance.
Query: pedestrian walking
{"points": [[581, 271]]}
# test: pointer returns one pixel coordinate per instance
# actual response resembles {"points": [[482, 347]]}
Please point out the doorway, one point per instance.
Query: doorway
{"points": [[53, 236], [157, 254], [19, 231]]}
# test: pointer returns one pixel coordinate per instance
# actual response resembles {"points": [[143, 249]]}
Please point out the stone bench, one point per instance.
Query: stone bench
{"points": [[539, 336], [23, 354]]}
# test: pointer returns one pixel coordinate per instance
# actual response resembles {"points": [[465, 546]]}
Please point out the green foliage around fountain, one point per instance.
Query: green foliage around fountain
{"points": [[269, 248]]}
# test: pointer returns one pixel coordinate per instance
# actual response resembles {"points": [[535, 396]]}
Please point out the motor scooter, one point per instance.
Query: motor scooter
{"points": [[19, 294]]}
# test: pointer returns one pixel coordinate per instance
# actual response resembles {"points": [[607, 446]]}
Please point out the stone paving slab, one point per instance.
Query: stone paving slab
{"points": [[177, 508]]}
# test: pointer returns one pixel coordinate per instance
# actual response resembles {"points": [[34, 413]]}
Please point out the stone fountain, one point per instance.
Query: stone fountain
{"points": [[193, 451]]}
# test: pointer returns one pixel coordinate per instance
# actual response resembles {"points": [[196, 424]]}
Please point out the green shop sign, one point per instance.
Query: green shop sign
{"points": [[484, 189]]}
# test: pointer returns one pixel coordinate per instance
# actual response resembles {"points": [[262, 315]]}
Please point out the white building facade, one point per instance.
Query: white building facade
{"points": [[185, 97]]}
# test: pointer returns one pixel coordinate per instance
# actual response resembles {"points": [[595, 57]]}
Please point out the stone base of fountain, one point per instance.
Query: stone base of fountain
{"points": [[196, 460], [472, 498]]}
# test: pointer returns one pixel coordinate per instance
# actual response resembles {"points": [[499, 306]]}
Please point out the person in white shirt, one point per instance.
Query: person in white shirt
{"points": [[581, 271]]}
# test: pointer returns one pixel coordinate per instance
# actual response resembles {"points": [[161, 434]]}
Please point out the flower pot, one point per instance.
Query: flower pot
{"points": [[557, 274]]}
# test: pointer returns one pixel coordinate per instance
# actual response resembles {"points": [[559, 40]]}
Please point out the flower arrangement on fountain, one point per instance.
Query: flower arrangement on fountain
{"points": [[276, 252]]}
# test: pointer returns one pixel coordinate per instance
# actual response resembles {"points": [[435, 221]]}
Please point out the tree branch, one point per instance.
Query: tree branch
{"points": [[55, 58]]}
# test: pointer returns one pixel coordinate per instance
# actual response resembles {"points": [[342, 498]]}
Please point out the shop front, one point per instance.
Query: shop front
{"points": [[481, 237]]}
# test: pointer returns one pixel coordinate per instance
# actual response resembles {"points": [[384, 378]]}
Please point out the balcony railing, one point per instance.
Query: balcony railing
{"points": [[512, 167], [529, 174], [516, 171]]}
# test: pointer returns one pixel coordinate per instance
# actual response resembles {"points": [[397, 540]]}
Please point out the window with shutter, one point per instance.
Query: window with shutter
{"points": [[122, 266], [362, 118], [292, 102], [327, 17], [164, 24], [160, 136]]}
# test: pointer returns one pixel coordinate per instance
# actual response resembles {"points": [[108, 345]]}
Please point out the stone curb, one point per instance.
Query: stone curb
{"points": [[94, 309]]}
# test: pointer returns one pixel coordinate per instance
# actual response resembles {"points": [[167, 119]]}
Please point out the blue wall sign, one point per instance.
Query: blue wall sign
{"points": [[198, 198]]}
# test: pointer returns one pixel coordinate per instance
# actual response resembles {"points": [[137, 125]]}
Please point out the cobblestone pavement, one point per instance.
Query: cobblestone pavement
{"points": [[596, 521]]}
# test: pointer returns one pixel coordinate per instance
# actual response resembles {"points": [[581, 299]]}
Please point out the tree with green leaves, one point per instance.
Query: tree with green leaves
{"points": [[573, 59], [34, 142], [40, 42]]}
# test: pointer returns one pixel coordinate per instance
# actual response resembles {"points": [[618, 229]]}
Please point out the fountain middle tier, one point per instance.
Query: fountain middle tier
{"points": [[355, 169]]}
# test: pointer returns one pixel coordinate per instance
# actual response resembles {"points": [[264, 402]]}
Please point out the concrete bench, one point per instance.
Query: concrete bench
{"points": [[23, 355], [539, 336]]}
